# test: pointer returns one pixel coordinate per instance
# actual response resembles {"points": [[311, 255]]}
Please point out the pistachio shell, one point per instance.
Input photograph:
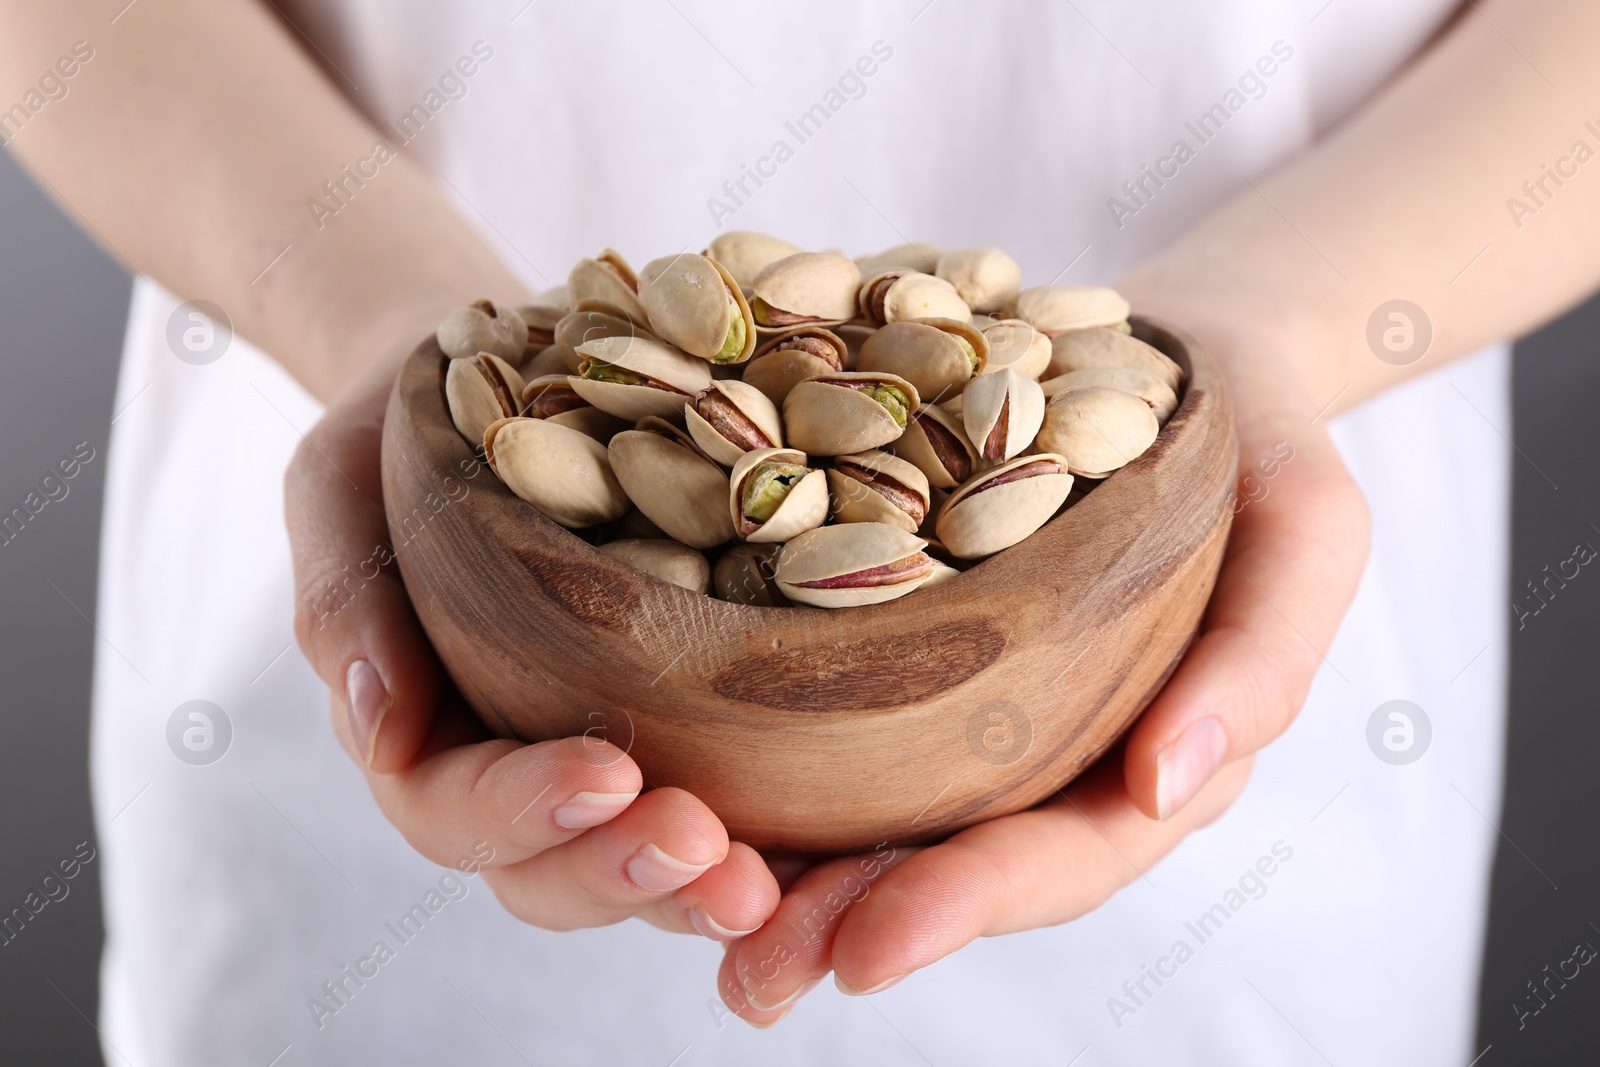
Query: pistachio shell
{"points": [[830, 415], [1015, 344], [1001, 413], [1101, 347], [480, 390], [804, 507], [877, 487], [1097, 430], [937, 445], [483, 326], [552, 397], [743, 575], [673, 483], [986, 278], [855, 548], [746, 254], [1142, 384], [942, 572], [693, 303], [558, 470], [784, 360], [589, 322], [558, 297], [608, 279], [1054, 308], [815, 286], [905, 294], [730, 418], [546, 361], [678, 377], [925, 353], [918, 255], [541, 320], [634, 525], [663, 559], [854, 334], [999, 507]]}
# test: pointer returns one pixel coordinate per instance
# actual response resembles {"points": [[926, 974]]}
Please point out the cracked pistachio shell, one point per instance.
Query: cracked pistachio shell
{"points": [[925, 353], [854, 334], [676, 378], [730, 418], [937, 445], [918, 256], [830, 415], [1015, 344], [1001, 413], [815, 287], [541, 320], [942, 572], [986, 278], [673, 483], [832, 553], [563, 473], [1001, 506], [1142, 384], [743, 575], [746, 254], [804, 507], [693, 303], [483, 326], [608, 279], [1101, 347], [590, 321], [664, 559], [877, 487], [480, 390], [1054, 308], [784, 360], [551, 397], [896, 295], [1097, 430]]}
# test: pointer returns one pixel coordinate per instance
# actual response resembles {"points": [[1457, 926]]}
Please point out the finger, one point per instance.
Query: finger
{"points": [[353, 619], [664, 840], [1041, 867], [1293, 560], [728, 902]]}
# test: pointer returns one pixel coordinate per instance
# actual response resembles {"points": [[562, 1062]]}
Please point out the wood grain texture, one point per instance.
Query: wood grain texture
{"points": [[809, 730]]}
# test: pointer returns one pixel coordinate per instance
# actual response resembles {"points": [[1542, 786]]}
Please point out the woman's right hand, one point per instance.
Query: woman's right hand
{"points": [[560, 829]]}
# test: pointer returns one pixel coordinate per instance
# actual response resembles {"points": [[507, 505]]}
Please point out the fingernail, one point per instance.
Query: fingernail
{"points": [[368, 702], [805, 987], [656, 872], [850, 991], [706, 926], [1188, 763], [591, 809]]}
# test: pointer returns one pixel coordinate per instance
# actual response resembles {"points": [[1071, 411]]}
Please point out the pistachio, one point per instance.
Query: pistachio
{"points": [[773, 495], [843, 412], [999, 507], [744, 575], [1097, 430], [854, 334], [1054, 308], [935, 444], [942, 572], [918, 256], [561, 472], [986, 278], [805, 288], [553, 398], [853, 564], [546, 361], [483, 326], [608, 279], [591, 321], [1015, 344], [730, 418], [667, 560], [877, 487], [907, 294], [481, 389], [541, 320], [938, 356], [746, 254], [1002, 413], [632, 377], [695, 304], [1101, 347], [634, 525], [676, 486], [1142, 384], [784, 360]]}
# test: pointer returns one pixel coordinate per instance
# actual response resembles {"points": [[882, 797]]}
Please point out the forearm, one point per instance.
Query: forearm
{"points": [[1398, 203], [192, 143]]}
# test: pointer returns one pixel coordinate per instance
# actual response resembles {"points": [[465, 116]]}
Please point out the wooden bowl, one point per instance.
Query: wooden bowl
{"points": [[809, 730]]}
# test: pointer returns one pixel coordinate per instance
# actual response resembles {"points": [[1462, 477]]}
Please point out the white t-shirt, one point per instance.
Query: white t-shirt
{"points": [[243, 893]]}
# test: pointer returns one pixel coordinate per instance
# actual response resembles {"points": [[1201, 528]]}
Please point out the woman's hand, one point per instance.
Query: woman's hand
{"points": [[559, 829]]}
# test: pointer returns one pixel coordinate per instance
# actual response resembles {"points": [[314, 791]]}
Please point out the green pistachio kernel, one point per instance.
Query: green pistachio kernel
{"points": [[767, 486], [893, 400], [966, 346], [759, 310], [733, 344], [598, 370]]}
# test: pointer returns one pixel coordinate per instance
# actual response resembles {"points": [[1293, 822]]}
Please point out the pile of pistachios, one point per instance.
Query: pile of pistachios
{"points": [[833, 432]]}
